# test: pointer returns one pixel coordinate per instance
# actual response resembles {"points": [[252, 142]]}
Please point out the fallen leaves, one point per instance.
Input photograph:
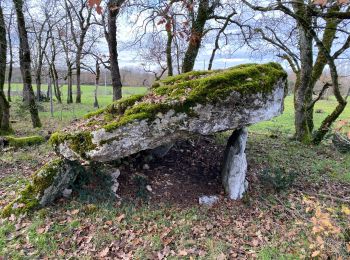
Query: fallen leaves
{"points": [[75, 212]]}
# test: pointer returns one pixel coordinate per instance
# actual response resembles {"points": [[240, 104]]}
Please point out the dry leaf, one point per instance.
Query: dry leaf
{"points": [[104, 252], [345, 210], [255, 242], [315, 253], [221, 257], [182, 253], [121, 217], [74, 212], [348, 247], [40, 230]]}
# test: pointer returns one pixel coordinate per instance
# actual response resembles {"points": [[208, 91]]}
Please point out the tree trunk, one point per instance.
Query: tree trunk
{"points": [[9, 76], [25, 64], [70, 83], [55, 83], [327, 122], [49, 86], [38, 79], [111, 37], [303, 89], [169, 60], [197, 32], [4, 105], [78, 65], [97, 82]]}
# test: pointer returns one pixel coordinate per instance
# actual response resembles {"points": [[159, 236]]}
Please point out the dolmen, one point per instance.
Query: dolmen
{"points": [[175, 108]]}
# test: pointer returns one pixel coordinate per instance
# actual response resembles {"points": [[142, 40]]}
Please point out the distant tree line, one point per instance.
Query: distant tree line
{"points": [[132, 76]]}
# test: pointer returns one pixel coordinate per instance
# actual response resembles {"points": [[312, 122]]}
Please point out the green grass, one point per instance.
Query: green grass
{"points": [[285, 122]]}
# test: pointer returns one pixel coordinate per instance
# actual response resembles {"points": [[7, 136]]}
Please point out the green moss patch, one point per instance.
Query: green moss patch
{"points": [[28, 198], [80, 142], [24, 141], [117, 107]]}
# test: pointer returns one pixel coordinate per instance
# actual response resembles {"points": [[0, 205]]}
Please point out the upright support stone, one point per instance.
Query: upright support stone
{"points": [[235, 165]]}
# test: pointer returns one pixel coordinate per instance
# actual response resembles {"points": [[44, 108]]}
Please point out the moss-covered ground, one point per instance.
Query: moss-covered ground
{"points": [[309, 219]]}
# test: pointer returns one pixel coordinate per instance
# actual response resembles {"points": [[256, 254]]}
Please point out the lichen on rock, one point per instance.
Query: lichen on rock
{"points": [[45, 186]]}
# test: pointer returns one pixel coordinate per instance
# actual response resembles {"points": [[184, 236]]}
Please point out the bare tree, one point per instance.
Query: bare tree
{"points": [[10, 69], [25, 63], [154, 55], [51, 61], [313, 24], [41, 34], [65, 39], [79, 14], [4, 104], [96, 71], [110, 31], [227, 21]]}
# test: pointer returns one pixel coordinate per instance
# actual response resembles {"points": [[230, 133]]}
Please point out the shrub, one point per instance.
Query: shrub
{"points": [[277, 178]]}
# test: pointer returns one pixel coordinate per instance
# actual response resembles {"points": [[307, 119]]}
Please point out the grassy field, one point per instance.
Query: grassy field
{"points": [[308, 219], [64, 113], [285, 122]]}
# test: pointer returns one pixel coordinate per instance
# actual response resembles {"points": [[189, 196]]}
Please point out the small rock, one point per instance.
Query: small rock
{"points": [[208, 200], [114, 178], [149, 188], [146, 166], [67, 193]]}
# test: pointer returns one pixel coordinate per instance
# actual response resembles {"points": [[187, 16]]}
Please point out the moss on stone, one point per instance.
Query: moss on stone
{"points": [[125, 120], [187, 76], [28, 198], [245, 79], [24, 141], [117, 107], [80, 142], [94, 113], [139, 112]]}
